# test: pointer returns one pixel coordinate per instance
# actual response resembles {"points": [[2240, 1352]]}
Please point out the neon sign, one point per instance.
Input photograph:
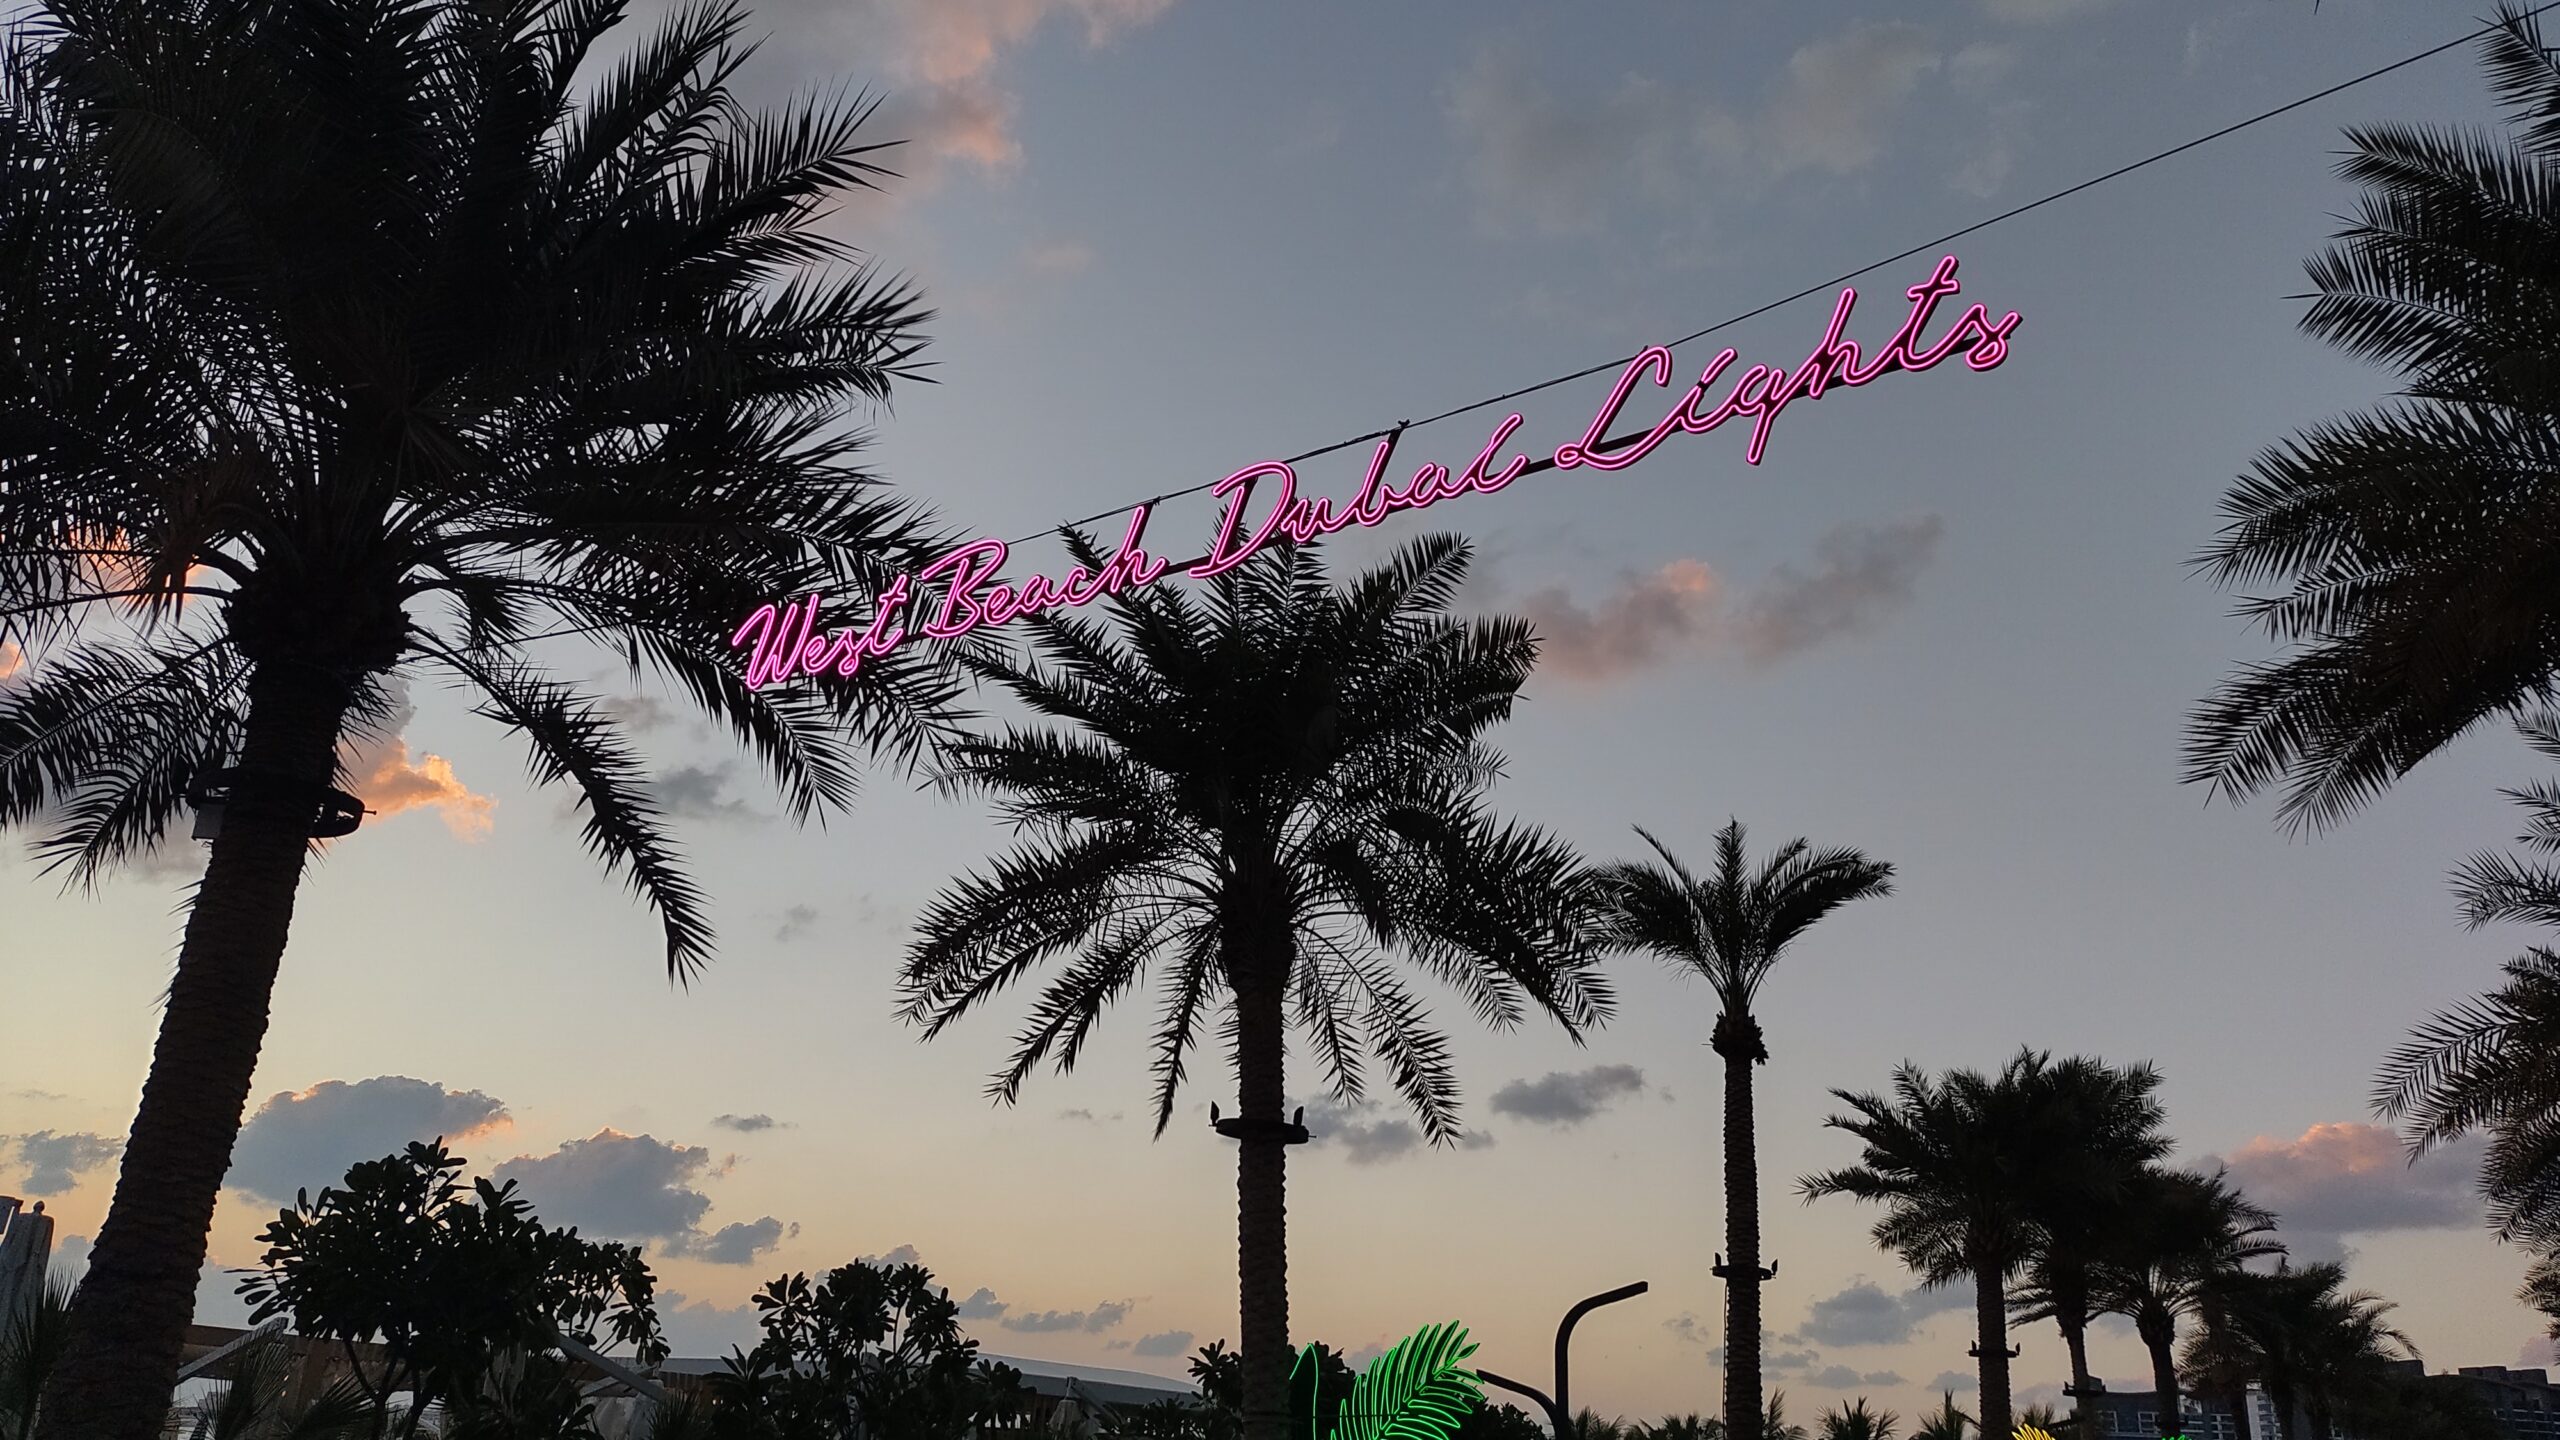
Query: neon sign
{"points": [[784, 641]]}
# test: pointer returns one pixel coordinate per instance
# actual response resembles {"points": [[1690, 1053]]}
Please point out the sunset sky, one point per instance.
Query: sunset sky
{"points": [[1949, 620]]}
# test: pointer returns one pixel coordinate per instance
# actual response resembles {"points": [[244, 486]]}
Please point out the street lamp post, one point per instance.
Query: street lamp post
{"points": [[1559, 1413]]}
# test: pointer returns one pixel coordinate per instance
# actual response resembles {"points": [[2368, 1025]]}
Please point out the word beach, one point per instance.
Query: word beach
{"points": [[962, 591]]}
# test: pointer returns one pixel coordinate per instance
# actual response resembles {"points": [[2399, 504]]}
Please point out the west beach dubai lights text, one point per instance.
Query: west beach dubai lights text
{"points": [[784, 641]]}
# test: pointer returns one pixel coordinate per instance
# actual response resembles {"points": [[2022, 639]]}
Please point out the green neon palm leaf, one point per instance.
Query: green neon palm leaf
{"points": [[1416, 1391]]}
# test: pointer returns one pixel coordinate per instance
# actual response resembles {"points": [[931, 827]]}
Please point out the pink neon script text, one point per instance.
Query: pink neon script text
{"points": [[784, 642]]}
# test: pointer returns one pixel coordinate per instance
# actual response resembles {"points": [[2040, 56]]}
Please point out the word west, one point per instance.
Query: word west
{"points": [[961, 592]]}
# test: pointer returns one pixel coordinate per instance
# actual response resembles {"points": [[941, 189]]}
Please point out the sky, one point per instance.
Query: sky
{"points": [[1948, 620]]}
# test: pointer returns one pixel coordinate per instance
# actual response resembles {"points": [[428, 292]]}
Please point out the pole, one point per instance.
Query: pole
{"points": [[1559, 1416]]}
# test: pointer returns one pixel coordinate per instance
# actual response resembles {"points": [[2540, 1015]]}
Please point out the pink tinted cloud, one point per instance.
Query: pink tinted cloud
{"points": [[381, 773], [2348, 1177], [12, 659], [950, 101], [1645, 620], [1860, 575]]}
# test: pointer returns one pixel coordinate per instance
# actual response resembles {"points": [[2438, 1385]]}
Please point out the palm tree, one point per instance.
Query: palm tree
{"points": [[1730, 930], [1692, 1426], [30, 1346], [347, 344], [1267, 794], [1854, 1421], [2485, 1065], [2313, 1345], [2176, 1237], [2413, 538], [257, 1402], [2098, 1127], [1958, 1162], [1945, 1423], [1774, 1423], [2042, 1420]]}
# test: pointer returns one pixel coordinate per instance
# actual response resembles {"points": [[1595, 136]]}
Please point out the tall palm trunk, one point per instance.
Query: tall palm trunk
{"points": [[130, 1322], [2244, 1426], [2288, 1408], [2073, 1317], [2159, 1331], [1991, 1324], [1738, 1040], [1262, 1213]]}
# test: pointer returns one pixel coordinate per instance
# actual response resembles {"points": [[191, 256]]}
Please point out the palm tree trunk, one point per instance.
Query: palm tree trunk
{"points": [[1991, 1324], [1262, 1214], [1738, 1040], [2243, 1425], [2074, 1321], [2288, 1410], [130, 1322], [2159, 1330]]}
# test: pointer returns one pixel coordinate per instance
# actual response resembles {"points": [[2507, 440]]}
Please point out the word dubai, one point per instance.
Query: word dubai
{"points": [[960, 592]]}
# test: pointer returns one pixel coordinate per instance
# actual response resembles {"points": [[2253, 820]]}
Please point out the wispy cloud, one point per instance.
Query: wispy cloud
{"points": [[740, 1244], [943, 66], [1865, 1313], [1090, 1322], [55, 1162], [747, 1124], [1372, 1141], [1565, 1098], [1859, 576], [702, 792]]}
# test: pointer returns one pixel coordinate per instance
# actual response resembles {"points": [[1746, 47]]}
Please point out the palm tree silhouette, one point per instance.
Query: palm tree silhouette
{"points": [[1730, 930], [2485, 1065], [1264, 796], [1964, 1163], [2178, 1236], [2414, 539], [2315, 1346], [352, 310], [2098, 1128]]}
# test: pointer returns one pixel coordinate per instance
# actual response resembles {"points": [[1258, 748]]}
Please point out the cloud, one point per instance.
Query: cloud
{"points": [[1645, 619], [640, 713], [1092, 1322], [1065, 257], [701, 792], [1567, 1098], [747, 1124], [738, 1244], [981, 1306], [2353, 1178], [1835, 1377], [622, 1187], [306, 1139], [55, 1162], [1162, 1343], [941, 65], [903, 1255], [1540, 163], [1368, 1142], [1883, 1378], [1954, 1380], [1838, 95], [2038, 12], [1865, 1313], [797, 921], [12, 659], [1860, 574], [1688, 1327], [43, 1096], [1557, 166], [381, 774]]}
